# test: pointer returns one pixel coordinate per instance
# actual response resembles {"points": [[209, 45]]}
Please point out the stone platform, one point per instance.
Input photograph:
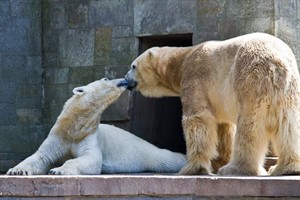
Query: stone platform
{"points": [[149, 187]]}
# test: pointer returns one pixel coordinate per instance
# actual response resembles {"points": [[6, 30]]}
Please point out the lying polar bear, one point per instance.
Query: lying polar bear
{"points": [[90, 148]]}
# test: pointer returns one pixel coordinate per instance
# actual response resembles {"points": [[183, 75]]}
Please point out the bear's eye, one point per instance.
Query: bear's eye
{"points": [[133, 66], [105, 79]]}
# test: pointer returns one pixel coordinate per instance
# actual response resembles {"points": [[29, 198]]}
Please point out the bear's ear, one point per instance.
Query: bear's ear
{"points": [[152, 52], [79, 90]]}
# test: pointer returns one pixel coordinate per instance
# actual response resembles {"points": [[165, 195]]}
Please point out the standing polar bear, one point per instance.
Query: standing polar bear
{"points": [[251, 81], [95, 148]]}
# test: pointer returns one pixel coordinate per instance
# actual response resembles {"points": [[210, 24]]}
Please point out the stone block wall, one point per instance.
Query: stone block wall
{"points": [[48, 47], [21, 90], [85, 40], [287, 24], [222, 19]]}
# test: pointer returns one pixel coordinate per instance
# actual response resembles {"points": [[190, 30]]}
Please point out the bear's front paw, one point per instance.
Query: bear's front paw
{"points": [[19, 171], [191, 169], [63, 171], [56, 172]]}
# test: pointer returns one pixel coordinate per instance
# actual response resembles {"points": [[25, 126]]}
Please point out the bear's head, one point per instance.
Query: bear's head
{"points": [[149, 73], [82, 112]]}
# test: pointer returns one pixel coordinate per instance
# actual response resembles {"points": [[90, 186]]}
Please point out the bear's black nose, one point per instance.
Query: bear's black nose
{"points": [[122, 83], [131, 84]]}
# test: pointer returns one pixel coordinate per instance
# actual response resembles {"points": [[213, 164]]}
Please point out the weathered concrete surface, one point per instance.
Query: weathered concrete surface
{"points": [[130, 186]]}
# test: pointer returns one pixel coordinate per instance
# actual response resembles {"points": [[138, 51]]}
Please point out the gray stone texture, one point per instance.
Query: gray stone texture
{"points": [[110, 13], [123, 51], [102, 46], [21, 78], [223, 19], [4, 11], [122, 31], [76, 47], [48, 47], [8, 114], [54, 14], [78, 13], [34, 71], [29, 96], [14, 36], [55, 96], [29, 116], [57, 75], [164, 17], [287, 22]]}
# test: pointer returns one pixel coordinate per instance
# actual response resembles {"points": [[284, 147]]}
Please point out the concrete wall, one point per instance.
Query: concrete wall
{"points": [[84, 40]]}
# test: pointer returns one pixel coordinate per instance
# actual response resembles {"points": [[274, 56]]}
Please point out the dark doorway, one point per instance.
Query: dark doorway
{"points": [[158, 120]]}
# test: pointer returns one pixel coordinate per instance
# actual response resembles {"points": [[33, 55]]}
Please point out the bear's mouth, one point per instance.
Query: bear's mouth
{"points": [[131, 84]]}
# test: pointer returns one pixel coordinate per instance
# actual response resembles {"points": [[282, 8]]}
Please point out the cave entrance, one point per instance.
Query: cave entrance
{"points": [[158, 120]]}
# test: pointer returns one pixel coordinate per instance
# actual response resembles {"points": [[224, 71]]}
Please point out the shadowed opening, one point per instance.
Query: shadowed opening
{"points": [[158, 120]]}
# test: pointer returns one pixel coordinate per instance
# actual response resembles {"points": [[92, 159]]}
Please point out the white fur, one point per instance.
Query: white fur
{"points": [[108, 150], [251, 81]]}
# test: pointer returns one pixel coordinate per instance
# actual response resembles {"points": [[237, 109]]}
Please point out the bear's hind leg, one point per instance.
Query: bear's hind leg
{"points": [[226, 133], [201, 140], [287, 144], [250, 146]]}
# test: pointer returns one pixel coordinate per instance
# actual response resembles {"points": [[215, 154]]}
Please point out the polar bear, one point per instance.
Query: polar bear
{"points": [[86, 147], [237, 95]]}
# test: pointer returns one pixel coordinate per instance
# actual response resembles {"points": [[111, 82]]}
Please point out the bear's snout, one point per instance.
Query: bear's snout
{"points": [[131, 84], [123, 83], [130, 81]]}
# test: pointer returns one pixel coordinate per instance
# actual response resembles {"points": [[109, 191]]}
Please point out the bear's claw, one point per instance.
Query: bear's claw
{"points": [[18, 172]]}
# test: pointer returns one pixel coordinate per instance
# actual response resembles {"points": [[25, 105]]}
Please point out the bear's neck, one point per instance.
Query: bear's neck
{"points": [[171, 66], [77, 125], [76, 122]]}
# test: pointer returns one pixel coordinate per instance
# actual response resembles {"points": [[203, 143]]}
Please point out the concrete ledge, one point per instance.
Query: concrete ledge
{"points": [[148, 185]]}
